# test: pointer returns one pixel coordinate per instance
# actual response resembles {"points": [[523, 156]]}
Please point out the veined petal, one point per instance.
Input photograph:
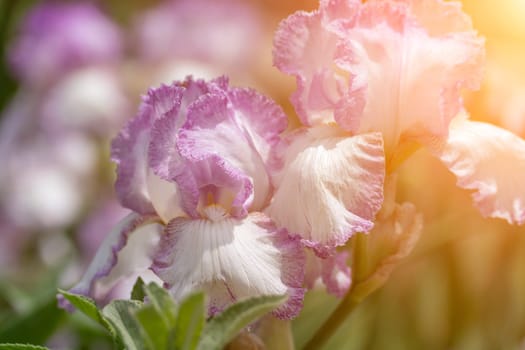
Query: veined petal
{"points": [[395, 67], [331, 186], [414, 75], [231, 259], [439, 17], [163, 156], [229, 141], [130, 148], [491, 162], [217, 152], [127, 250], [262, 121], [305, 48]]}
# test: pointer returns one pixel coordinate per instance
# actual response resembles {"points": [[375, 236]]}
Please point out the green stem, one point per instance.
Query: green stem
{"points": [[351, 300], [334, 322], [359, 257]]}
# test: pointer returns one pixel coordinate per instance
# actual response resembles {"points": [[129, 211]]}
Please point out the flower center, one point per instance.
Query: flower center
{"points": [[214, 212]]}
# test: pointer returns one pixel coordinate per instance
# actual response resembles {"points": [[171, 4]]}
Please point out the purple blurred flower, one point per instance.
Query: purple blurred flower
{"points": [[57, 37], [199, 37], [44, 180]]}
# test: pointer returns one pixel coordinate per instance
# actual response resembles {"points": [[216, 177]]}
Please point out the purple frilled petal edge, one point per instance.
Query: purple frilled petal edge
{"points": [[219, 136], [130, 148], [106, 257]]}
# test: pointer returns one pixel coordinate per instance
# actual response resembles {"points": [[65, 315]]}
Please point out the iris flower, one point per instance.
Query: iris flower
{"points": [[194, 165], [376, 81]]}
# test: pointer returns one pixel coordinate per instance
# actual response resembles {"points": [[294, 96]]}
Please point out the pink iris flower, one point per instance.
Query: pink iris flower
{"points": [[375, 81], [195, 166]]}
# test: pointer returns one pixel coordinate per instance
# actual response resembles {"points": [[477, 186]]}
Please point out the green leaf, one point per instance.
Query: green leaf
{"points": [[120, 313], [221, 329], [83, 304], [137, 293], [88, 307], [34, 326], [190, 322], [22, 347], [154, 327], [163, 303]]}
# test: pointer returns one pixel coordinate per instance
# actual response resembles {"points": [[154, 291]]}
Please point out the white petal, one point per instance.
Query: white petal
{"points": [[490, 161], [164, 196], [331, 185], [228, 258], [125, 251]]}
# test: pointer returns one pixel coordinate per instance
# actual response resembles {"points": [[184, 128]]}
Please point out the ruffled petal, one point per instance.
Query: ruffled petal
{"points": [[164, 158], [231, 259], [491, 162], [336, 275], [217, 152], [130, 148], [306, 49], [229, 141], [332, 271], [381, 66], [439, 17], [126, 251], [262, 121], [414, 79], [331, 186]]}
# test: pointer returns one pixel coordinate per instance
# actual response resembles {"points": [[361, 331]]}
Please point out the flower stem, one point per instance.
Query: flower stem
{"points": [[334, 322], [351, 300]]}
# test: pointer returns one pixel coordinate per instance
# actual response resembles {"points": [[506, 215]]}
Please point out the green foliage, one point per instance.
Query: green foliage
{"points": [[84, 305], [153, 321], [221, 329], [190, 321], [163, 303], [155, 330], [90, 309], [34, 325], [120, 313], [138, 290], [21, 347]]}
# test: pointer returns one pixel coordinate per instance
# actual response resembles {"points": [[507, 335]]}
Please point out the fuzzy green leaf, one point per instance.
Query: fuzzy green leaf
{"points": [[190, 322], [83, 304], [154, 327], [222, 328], [137, 293], [120, 313], [88, 307], [162, 301]]}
